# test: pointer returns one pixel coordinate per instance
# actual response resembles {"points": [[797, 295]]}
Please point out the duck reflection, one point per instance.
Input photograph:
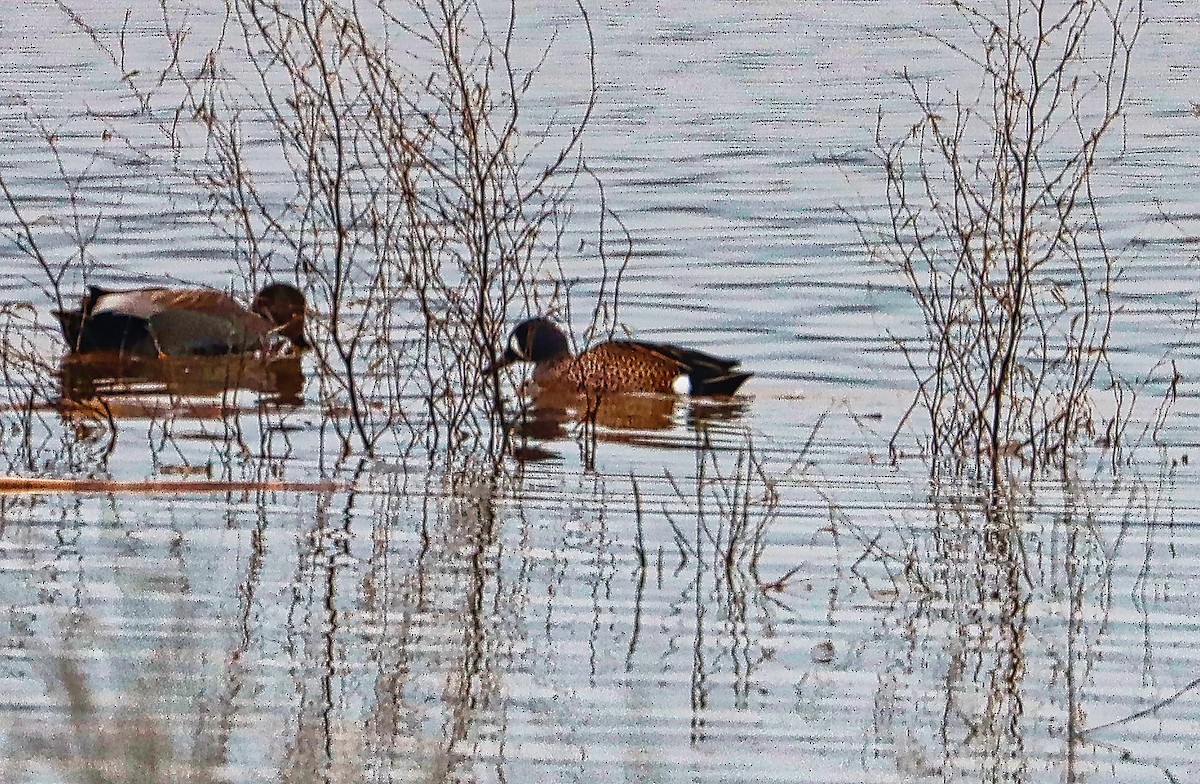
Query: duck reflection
{"points": [[616, 418], [121, 377]]}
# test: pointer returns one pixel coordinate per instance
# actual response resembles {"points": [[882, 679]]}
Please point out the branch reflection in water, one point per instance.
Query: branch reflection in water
{"points": [[720, 519], [999, 607]]}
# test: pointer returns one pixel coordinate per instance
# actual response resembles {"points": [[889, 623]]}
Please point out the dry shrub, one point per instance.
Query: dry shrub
{"points": [[993, 223], [425, 205], [399, 161]]}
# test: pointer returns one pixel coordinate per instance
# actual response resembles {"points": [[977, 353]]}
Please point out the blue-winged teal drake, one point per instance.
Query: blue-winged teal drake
{"points": [[183, 322], [620, 366]]}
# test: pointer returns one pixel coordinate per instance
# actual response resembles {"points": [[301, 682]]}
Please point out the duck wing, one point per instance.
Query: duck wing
{"points": [[144, 303], [175, 322]]}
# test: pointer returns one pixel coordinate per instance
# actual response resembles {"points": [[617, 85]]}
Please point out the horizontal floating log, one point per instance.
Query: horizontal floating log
{"points": [[20, 484]]}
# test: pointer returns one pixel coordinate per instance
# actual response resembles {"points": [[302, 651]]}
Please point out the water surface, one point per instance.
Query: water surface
{"points": [[785, 604]]}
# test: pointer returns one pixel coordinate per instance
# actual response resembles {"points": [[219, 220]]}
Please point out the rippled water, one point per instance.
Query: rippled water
{"points": [[786, 605]]}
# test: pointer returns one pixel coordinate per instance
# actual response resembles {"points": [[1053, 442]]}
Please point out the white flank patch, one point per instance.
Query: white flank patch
{"points": [[131, 303], [682, 385]]}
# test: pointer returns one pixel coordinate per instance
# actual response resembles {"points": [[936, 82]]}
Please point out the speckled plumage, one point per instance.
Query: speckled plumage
{"points": [[617, 366]]}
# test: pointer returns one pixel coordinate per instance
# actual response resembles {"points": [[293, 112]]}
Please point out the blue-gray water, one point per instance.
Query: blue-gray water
{"points": [[556, 622]]}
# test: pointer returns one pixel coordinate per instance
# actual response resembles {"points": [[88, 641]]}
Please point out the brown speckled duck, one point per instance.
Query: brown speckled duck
{"points": [[618, 366], [183, 322]]}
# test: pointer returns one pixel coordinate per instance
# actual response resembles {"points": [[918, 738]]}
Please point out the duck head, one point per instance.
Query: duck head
{"points": [[284, 307], [534, 340]]}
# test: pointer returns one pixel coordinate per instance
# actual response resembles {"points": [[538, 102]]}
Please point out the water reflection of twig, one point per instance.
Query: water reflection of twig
{"points": [[1145, 711], [720, 524], [966, 590]]}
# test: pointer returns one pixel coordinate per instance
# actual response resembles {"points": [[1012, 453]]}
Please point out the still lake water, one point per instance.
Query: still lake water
{"points": [[580, 619]]}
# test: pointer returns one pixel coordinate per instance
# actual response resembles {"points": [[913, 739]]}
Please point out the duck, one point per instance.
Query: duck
{"points": [[616, 366], [174, 322]]}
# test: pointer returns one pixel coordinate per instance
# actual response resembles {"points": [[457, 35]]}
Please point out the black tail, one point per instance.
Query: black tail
{"points": [[725, 384], [707, 374], [71, 322], [103, 331]]}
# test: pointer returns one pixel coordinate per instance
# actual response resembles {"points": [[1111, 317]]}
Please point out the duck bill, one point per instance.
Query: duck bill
{"points": [[506, 359]]}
